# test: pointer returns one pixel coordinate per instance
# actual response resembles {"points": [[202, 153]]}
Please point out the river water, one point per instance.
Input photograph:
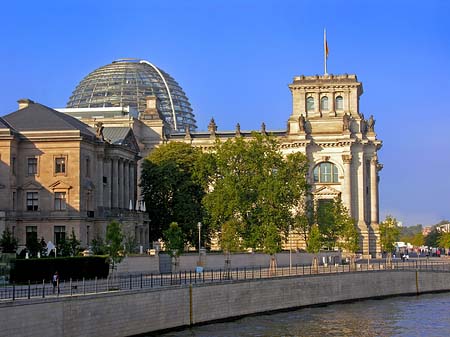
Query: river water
{"points": [[425, 315]]}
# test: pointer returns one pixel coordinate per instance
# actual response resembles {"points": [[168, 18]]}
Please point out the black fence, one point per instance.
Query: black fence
{"points": [[129, 282]]}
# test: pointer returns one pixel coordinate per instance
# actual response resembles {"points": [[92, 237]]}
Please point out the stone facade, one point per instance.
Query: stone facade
{"points": [[325, 124], [59, 176], [341, 145]]}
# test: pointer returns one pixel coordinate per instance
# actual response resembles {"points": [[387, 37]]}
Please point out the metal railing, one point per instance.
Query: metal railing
{"points": [[129, 282]]}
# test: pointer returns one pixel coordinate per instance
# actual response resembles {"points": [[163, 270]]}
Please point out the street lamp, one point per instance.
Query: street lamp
{"points": [[199, 225], [290, 250]]}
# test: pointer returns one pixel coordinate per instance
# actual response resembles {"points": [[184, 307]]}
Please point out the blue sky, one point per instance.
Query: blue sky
{"points": [[234, 59]]}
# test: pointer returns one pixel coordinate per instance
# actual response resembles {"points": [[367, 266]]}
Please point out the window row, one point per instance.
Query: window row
{"points": [[31, 232], [338, 104], [60, 201]]}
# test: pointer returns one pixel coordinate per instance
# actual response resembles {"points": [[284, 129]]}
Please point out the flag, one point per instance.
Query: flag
{"points": [[325, 43]]}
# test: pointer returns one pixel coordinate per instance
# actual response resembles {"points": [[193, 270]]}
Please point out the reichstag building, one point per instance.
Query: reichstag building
{"points": [[78, 167]]}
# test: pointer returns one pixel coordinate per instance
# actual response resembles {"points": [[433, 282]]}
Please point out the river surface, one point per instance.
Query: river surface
{"points": [[425, 315]]}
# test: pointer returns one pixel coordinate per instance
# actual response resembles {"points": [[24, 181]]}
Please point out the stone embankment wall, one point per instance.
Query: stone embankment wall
{"points": [[137, 312], [147, 264]]}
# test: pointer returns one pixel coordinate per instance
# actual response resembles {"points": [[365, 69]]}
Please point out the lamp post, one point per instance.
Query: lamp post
{"points": [[290, 250], [199, 225]]}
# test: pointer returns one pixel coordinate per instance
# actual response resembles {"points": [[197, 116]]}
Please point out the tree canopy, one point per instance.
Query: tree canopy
{"points": [[173, 188], [389, 233], [254, 184], [336, 226]]}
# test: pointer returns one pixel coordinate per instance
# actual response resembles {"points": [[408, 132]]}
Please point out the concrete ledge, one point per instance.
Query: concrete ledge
{"points": [[142, 311]]}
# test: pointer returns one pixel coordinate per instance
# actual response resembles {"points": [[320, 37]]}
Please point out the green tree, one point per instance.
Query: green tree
{"points": [[444, 240], [114, 242], [432, 239], [314, 241], [389, 234], [73, 244], [336, 226], [230, 236], [98, 246], [173, 188], [130, 243], [8, 242], [253, 183], [418, 240], [174, 240], [349, 239], [33, 245]]}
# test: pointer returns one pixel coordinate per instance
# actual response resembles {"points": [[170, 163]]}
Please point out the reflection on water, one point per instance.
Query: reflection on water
{"points": [[425, 315]]}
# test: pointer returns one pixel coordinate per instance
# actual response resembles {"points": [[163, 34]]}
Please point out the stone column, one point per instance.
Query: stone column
{"points": [[120, 184], [115, 183], [361, 201], [107, 167], [126, 191], [133, 183], [317, 104], [347, 195], [99, 179], [374, 190], [331, 104]]}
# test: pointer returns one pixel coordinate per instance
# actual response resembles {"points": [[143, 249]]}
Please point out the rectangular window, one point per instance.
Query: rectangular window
{"points": [[32, 166], [60, 201], [13, 165], [31, 234], [60, 234], [32, 201], [60, 165], [88, 167]]}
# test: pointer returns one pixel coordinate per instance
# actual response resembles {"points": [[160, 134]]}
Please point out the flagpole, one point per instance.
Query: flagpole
{"points": [[325, 50]]}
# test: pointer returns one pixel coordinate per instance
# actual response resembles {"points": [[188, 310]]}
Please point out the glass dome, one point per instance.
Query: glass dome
{"points": [[126, 82]]}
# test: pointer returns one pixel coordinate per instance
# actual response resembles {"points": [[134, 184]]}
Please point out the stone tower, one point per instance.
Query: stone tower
{"points": [[341, 145]]}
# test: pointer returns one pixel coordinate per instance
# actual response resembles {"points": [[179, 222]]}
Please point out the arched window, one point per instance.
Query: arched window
{"points": [[310, 104], [339, 103], [324, 103], [325, 172]]}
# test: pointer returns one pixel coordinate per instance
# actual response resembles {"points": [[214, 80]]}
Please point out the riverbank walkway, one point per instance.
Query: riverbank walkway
{"points": [[133, 282]]}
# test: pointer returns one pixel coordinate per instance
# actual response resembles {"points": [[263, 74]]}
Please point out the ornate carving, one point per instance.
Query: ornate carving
{"points": [[347, 158], [188, 131], [99, 130], [301, 123], [212, 127], [374, 160], [346, 122], [371, 124], [263, 128]]}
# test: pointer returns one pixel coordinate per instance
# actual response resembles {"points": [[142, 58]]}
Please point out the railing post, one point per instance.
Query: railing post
{"points": [[43, 288], [14, 290], [131, 282], [141, 280], [160, 279], [29, 289], [245, 273], [84, 287], [95, 284], [151, 280], [70, 285], [260, 276]]}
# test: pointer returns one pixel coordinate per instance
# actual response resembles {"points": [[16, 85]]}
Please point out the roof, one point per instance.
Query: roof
{"points": [[121, 136], [3, 125], [38, 117], [115, 135]]}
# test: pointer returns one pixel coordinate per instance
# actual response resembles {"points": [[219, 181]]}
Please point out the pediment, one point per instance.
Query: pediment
{"points": [[60, 185], [327, 191], [31, 185]]}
